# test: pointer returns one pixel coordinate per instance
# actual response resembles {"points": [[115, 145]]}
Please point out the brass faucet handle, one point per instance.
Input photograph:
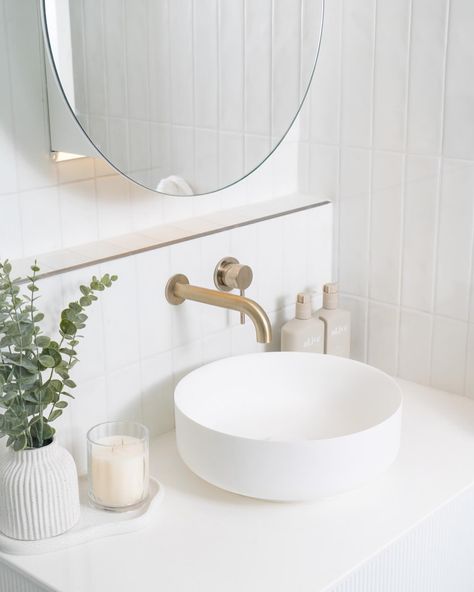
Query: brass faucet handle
{"points": [[238, 277], [229, 275]]}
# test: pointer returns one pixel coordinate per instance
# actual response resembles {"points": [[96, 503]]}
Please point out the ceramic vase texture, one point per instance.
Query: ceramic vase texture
{"points": [[39, 492]]}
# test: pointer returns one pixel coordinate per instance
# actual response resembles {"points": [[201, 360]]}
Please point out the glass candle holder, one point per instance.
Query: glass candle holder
{"points": [[118, 465]]}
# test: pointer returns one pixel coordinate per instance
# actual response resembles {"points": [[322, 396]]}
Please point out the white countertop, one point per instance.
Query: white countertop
{"points": [[209, 540]]}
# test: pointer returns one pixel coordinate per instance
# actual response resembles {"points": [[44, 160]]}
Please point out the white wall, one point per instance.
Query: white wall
{"points": [[390, 135], [137, 345]]}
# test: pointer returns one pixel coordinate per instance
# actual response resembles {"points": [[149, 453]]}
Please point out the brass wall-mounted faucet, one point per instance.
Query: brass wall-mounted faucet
{"points": [[228, 275]]}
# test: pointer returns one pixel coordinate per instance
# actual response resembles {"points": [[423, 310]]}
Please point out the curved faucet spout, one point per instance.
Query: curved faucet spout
{"points": [[178, 289]]}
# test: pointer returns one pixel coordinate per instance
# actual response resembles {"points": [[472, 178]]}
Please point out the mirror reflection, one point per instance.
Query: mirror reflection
{"points": [[184, 97]]}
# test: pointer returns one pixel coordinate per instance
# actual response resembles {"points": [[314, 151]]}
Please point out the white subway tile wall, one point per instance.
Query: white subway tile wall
{"points": [[391, 127], [137, 345]]}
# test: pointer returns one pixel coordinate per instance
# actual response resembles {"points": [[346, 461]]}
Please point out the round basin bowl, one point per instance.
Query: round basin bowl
{"points": [[288, 426]]}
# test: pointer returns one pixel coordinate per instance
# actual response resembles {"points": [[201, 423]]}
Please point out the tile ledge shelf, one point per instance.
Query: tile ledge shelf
{"points": [[156, 237]]}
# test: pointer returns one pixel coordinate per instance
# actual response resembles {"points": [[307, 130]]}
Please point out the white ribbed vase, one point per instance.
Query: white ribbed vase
{"points": [[39, 492]]}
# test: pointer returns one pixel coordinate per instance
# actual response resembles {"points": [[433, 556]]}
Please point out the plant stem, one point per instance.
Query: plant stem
{"points": [[27, 431], [40, 413]]}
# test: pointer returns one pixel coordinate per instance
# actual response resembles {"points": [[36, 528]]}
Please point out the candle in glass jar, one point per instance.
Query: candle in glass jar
{"points": [[118, 471]]}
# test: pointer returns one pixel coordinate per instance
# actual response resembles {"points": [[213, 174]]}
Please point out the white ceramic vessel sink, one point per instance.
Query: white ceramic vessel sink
{"points": [[287, 426]]}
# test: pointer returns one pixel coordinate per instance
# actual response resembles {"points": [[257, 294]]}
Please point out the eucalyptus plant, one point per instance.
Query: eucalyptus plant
{"points": [[35, 382]]}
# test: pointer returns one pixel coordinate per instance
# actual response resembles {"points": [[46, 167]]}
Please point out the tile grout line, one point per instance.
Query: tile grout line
{"points": [[371, 180], [134, 262], [106, 71], [170, 81], [219, 88], [244, 87], [407, 309], [194, 77], [148, 103], [272, 67], [299, 119], [439, 195], [129, 119], [470, 305], [469, 315], [393, 151], [404, 187], [337, 219]]}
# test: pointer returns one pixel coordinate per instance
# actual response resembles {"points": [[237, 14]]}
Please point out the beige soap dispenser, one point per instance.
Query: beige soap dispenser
{"points": [[337, 323], [304, 333]]}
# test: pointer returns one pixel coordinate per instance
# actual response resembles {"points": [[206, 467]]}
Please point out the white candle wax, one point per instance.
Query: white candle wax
{"points": [[119, 471]]}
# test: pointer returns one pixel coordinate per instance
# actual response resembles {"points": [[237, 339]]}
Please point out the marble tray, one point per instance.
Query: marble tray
{"points": [[93, 524]]}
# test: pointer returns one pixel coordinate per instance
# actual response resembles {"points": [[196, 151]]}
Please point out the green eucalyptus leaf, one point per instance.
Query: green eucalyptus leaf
{"points": [[9, 396], [10, 387], [20, 442], [27, 379], [56, 385], [67, 351], [20, 361], [69, 315], [53, 353], [47, 361], [55, 414], [43, 341], [12, 329], [33, 397], [6, 341], [67, 327], [34, 420], [64, 374], [48, 431], [85, 301]]}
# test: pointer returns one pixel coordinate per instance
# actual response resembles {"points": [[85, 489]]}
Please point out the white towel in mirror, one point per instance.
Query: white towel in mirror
{"points": [[174, 185]]}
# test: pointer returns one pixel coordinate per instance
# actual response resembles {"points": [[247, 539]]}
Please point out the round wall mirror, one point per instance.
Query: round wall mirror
{"points": [[184, 97]]}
